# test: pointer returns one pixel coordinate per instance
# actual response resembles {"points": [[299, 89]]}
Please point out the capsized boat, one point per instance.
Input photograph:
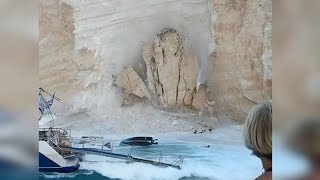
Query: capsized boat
{"points": [[139, 141]]}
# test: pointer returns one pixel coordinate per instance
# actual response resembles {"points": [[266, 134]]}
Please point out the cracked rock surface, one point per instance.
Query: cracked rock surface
{"points": [[131, 83], [81, 47], [172, 69]]}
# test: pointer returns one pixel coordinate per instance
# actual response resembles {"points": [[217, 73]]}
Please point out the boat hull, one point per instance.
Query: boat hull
{"points": [[67, 169], [51, 161], [138, 141]]}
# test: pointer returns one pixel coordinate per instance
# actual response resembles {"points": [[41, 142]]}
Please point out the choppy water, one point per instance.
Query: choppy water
{"points": [[220, 161]]}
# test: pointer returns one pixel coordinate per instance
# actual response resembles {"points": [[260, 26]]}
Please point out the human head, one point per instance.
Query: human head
{"points": [[258, 130]]}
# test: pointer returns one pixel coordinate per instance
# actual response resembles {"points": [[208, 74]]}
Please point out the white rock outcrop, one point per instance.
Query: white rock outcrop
{"points": [[131, 83], [172, 69], [81, 47]]}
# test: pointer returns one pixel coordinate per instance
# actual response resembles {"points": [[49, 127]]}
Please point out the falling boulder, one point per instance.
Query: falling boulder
{"points": [[199, 99], [203, 100], [172, 69], [132, 85]]}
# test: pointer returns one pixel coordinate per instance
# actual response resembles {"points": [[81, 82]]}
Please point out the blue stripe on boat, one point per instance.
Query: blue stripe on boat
{"points": [[47, 165], [46, 162], [67, 169]]}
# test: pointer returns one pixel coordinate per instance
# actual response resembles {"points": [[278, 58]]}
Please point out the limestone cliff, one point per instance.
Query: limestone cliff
{"points": [[131, 84], [242, 71], [223, 45], [172, 69]]}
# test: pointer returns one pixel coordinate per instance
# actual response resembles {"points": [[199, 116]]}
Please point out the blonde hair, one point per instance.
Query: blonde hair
{"points": [[258, 130]]}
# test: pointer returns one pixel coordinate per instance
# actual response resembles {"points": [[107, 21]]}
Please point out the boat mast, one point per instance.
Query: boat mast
{"points": [[45, 106]]}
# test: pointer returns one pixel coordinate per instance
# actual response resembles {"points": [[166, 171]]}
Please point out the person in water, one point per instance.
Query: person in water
{"points": [[258, 136], [305, 140]]}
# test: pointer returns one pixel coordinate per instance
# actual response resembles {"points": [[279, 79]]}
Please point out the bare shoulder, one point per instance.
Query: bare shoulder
{"points": [[265, 176]]}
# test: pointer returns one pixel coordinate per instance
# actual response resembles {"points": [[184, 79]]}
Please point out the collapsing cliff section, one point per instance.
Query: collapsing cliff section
{"points": [[172, 69], [172, 72], [203, 101], [132, 86]]}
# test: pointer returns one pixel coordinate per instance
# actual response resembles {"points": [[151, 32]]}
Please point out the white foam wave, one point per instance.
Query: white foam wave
{"points": [[55, 175], [228, 163]]}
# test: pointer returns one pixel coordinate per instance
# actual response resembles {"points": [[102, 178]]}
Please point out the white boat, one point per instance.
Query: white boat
{"points": [[52, 158], [55, 144], [60, 152]]}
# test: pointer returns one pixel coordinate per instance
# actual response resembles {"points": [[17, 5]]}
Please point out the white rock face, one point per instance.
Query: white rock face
{"points": [[242, 58], [172, 69], [84, 43], [131, 83]]}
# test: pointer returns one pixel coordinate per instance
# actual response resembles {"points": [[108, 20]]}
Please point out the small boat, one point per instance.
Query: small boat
{"points": [[139, 141], [199, 131]]}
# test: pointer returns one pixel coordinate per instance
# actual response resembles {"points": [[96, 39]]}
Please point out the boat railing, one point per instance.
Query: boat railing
{"points": [[95, 142], [58, 138], [178, 162], [56, 147], [59, 131]]}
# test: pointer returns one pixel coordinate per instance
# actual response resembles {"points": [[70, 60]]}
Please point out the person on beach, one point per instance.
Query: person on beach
{"points": [[258, 136]]}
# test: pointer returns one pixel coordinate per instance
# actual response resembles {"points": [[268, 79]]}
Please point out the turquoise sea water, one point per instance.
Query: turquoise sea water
{"points": [[91, 175], [219, 161]]}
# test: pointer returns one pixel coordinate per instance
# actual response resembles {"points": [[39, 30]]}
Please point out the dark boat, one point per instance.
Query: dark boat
{"points": [[138, 141]]}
